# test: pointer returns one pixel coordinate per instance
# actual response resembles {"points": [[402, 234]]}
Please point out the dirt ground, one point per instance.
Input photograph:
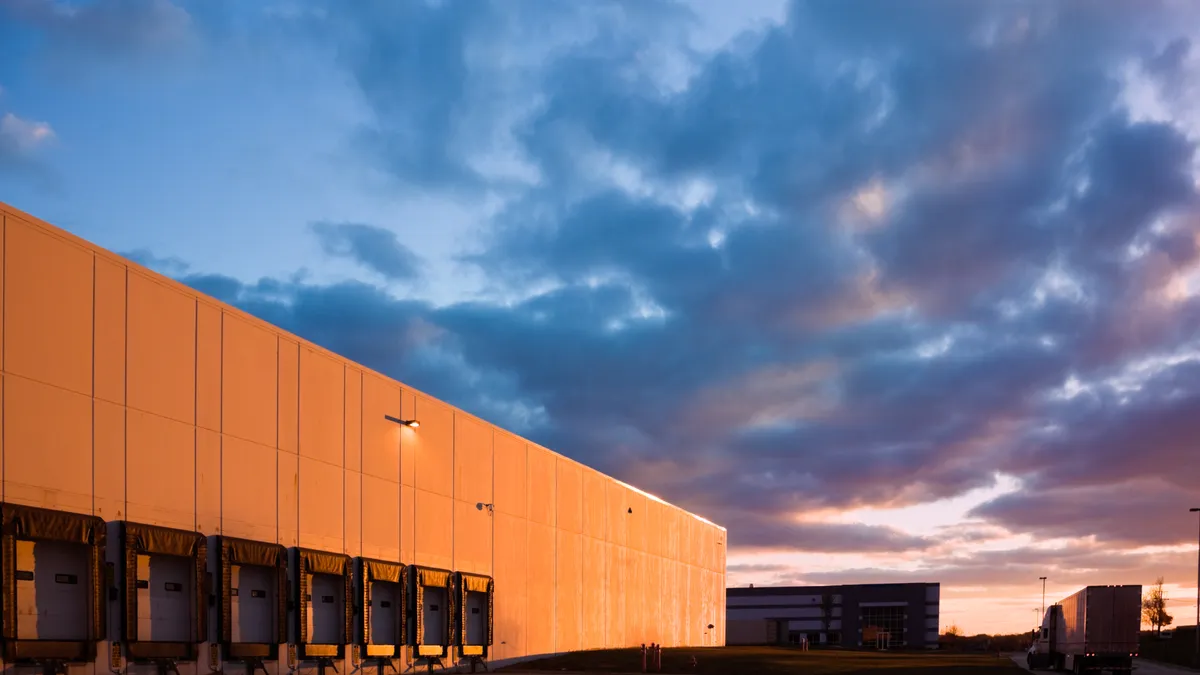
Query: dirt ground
{"points": [[776, 660]]}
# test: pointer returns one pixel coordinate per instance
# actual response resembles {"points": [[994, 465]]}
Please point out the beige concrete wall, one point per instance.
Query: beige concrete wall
{"points": [[128, 396]]}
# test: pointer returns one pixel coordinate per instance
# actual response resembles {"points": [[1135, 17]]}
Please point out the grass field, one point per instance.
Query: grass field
{"points": [[773, 660]]}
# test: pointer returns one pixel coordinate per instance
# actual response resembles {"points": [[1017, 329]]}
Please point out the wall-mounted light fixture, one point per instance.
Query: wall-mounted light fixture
{"points": [[408, 423], [630, 510], [490, 507]]}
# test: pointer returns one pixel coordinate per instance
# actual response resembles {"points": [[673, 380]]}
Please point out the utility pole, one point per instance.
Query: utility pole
{"points": [[1043, 595], [1197, 663]]}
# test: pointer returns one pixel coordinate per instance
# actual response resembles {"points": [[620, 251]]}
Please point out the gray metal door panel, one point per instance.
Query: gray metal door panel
{"points": [[326, 611], [385, 608], [254, 605], [165, 596], [476, 619], [53, 587], [435, 616]]}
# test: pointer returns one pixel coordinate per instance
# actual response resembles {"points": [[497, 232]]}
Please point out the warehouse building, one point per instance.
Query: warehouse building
{"points": [[867, 615], [187, 488]]}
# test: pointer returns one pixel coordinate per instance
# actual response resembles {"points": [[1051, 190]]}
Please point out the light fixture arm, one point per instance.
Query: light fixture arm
{"points": [[407, 423]]}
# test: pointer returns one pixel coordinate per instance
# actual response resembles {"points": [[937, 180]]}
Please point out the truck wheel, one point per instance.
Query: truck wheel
{"points": [[1029, 661]]}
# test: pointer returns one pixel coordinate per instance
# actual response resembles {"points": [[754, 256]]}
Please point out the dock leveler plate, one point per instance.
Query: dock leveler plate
{"points": [[324, 614], [433, 607], [384, 596], [253, 600], [476, 616], [165, 614], [52, 608]]}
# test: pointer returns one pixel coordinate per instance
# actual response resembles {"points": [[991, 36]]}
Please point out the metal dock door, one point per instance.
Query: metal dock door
{"points": [[326, 609], [53, 585], [165, 593], [435, 610], [253, 604], [385, 601], [476, 627]]}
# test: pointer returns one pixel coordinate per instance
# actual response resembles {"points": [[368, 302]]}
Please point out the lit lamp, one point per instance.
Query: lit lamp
{"points": [[407, 423]]}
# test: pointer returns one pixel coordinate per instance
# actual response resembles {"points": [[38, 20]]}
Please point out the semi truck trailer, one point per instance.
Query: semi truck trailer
{"points": [[1094, 629]]}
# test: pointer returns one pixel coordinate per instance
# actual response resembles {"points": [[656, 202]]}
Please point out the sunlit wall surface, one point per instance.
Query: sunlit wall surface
{"points": [[131, 397]]}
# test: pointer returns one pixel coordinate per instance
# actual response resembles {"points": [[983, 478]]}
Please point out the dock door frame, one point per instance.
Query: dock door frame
{"points": [[30, 523], [140, 539]]}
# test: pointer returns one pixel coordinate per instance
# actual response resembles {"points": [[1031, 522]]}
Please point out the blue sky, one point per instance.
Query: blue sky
{"points": [[892, 290]]}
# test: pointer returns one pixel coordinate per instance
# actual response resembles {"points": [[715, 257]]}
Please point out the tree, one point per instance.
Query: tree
{"points": [[953, 630], [1154, 607]]}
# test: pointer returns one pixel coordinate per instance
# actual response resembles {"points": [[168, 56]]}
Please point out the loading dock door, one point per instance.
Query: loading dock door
{"points": [[326, 609], [252, 619], [253, 604], [165, 593], [385, 608], [53, 582], [50, 585], [321, 587], [384, 599], [435, 615], [476, 615]]}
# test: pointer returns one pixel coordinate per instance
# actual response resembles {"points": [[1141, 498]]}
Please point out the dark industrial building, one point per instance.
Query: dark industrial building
{"points": [[890, 616]]}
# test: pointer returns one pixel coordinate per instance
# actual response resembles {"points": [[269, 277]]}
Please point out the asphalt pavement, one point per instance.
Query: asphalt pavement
{"points": [[1140, 667]]}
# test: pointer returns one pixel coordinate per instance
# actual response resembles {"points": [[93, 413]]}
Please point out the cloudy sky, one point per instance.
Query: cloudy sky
{"points": [[892, 290]]}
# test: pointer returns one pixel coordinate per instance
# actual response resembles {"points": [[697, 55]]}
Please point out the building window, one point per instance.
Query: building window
{"points": [[885, 626]]}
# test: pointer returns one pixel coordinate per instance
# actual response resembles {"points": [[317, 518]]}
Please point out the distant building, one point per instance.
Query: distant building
{"points": [[895, 616]]}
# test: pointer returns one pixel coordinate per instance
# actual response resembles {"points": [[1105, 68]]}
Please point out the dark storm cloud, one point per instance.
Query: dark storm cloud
{"points": [[755, 532], [1017, 570], [1137, 512], [439, 76], [1135, 172], [991, 136], [1168, 66], [373, 247], [914, 224]]}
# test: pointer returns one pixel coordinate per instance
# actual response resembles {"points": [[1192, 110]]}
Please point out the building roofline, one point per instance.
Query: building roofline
{"points": [[807, 590]]}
